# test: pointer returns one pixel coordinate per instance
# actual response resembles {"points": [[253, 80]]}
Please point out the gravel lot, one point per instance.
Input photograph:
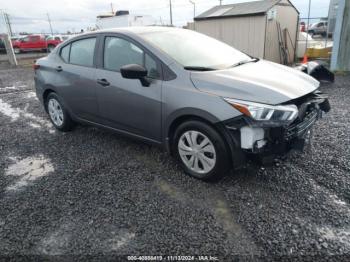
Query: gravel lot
{"points": [[91, 192]]}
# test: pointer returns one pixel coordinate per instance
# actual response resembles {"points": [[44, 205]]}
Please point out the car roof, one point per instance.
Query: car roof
{"points": [[134, 30]]}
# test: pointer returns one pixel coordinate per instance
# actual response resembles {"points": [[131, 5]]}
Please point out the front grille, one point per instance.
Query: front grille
{"points": [[298, 129]]}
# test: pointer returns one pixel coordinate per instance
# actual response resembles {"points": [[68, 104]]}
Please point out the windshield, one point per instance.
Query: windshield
{"points": [[192, 49]]}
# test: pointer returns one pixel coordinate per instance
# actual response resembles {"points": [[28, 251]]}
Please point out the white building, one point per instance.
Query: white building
{"points": [[123, 19], [265, 29]]}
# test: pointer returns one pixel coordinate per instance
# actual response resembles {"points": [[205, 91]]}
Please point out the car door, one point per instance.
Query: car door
{"points": [[25, 43], [35, 43], [126, 104], [75, 77]]}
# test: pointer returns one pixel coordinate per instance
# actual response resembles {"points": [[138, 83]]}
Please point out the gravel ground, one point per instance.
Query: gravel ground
{"points": [[91, 192]]}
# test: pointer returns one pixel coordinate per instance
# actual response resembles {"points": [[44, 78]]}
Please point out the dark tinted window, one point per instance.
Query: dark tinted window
{"points": [[82, 52], [65, 53], [119, 52], [25, 39]]}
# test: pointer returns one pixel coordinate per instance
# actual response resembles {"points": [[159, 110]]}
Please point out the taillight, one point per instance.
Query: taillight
{"points": [[36, 66]]}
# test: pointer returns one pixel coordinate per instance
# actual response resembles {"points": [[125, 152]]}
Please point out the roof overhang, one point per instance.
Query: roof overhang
{"points": [[228, 16]]}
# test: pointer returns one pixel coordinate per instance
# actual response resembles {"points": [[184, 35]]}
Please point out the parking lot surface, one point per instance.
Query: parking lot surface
{"points": [[91, 192]]}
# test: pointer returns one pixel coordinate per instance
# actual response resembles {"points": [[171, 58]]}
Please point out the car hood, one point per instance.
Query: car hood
{"points": [[262, 82]]}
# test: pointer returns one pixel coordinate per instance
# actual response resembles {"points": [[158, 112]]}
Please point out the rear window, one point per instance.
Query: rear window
{"points": [[82, 52]]}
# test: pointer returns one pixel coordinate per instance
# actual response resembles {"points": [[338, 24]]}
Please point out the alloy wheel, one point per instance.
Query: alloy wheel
{"points": [[55, 112]]}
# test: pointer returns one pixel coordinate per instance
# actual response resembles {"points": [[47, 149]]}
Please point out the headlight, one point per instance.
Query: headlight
{"points": [[262, 112]]}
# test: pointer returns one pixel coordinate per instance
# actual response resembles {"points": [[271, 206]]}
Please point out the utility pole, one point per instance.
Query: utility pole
{"points": [[8, 23], [220, 2], [308, 24], [328, 25], [48, 18], [7, 40], [171, 13], [112, 8], [194, 8]]}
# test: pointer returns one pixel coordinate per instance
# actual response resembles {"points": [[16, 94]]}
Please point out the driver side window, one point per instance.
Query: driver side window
{"points": [[119, 52], [25, 39]]}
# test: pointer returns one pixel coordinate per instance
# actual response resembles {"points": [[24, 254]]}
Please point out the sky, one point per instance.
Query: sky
{"points": [[74, 15]]}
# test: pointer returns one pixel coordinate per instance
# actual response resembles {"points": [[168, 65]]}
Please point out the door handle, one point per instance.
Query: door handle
{"points": [[59, 68], [103, 82]]}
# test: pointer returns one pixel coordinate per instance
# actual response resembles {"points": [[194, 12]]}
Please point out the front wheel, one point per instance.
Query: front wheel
{"points": [[201, 151], [59, 116]]}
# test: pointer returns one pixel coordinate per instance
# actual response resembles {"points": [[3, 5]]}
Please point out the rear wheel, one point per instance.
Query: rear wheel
{"points": [[59, 116], [201, 151]]}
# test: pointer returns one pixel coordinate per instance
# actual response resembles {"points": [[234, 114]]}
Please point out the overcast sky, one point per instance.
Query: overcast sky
{"points": [[73, 15]]}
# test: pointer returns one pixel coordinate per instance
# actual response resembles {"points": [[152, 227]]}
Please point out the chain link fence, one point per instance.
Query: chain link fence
{"points": [[315, 38], [19, 35]]}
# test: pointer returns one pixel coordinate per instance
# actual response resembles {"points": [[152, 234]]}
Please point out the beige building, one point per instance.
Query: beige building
{"points": [[265, 29]]}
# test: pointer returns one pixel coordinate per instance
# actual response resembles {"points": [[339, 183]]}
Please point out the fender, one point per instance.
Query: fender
{"points": [[187, 112]]}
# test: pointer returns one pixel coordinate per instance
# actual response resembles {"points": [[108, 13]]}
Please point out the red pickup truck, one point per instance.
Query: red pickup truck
{"points": [[35, 43]]}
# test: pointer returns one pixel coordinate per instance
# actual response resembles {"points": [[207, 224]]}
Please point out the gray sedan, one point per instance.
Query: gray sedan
{"points": [[209, 105]]}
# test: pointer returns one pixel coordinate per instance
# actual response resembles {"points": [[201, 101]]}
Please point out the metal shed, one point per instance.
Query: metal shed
{"points": [[265, 29]]}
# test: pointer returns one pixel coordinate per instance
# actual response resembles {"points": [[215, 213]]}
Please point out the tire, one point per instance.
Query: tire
{"points": [[58, 115], [212, 157], [16, 50]]}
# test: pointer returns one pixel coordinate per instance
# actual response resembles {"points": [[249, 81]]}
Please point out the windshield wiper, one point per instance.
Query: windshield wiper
{"points": [[199, 68], [245, 62]]}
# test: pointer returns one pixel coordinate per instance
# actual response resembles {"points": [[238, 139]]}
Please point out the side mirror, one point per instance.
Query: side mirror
{"points": [[134, 71]]}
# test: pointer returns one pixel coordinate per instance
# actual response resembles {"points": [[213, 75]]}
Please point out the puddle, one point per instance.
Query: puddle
{"points": [[16, 114], [7, 110], [340, 235], [171, 191], [225, 217], [28, 170], [330, 197], [57, 242], [217, 206], [337, 201], [8, 88], [120, 240], [30, 95]]}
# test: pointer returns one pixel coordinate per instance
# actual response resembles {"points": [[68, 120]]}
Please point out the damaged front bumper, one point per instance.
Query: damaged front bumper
{"points": [[267, 139]]}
